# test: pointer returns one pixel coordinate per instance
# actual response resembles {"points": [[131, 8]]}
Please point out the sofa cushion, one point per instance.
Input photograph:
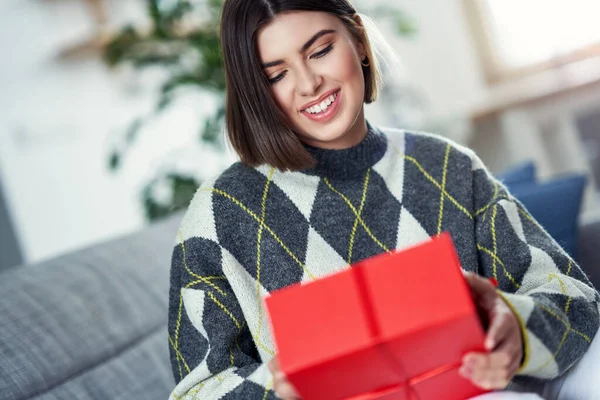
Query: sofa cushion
{"points": [[555, 204], [119, 378], [522, 173], [63, 320]]}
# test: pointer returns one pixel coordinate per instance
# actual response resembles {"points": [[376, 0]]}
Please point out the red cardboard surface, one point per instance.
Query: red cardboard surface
{"points": [[394, 326]]}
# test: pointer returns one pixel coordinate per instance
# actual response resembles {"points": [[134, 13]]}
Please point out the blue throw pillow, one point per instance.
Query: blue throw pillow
{"points": [[523, 173], [555, 204]]}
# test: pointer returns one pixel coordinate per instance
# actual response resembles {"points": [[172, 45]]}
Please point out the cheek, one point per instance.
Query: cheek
{"points": [[283, 96], [347, 68]]}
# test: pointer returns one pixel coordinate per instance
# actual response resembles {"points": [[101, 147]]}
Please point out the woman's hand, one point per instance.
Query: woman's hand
{"points": [[493, 370], [282, 387]]}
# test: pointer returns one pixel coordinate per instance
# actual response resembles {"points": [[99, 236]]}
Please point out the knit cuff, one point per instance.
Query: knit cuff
{"points": [[521, 306]]}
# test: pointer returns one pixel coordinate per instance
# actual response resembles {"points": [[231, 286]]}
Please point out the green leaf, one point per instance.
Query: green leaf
{"points": [[134, 130], [114, 161], [183, 187]]}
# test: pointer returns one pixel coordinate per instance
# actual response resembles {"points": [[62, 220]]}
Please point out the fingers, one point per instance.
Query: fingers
{"points": [[500, 325], [282, 387], [494, 370], [273, 365], [486, 372], [286, 391]]}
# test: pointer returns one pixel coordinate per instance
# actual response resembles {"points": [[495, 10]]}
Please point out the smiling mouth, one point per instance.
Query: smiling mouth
{"points": [[323, 106]]}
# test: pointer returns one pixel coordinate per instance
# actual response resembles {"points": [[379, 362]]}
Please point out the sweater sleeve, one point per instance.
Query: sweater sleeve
{"points": [[555, 303], [213, 355]]}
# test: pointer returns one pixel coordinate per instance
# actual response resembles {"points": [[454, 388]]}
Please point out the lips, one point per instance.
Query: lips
{"points": [[319, 100], [329, 113]]}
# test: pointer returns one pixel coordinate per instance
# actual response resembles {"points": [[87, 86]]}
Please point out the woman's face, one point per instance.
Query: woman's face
{"points": [[313, 65]]}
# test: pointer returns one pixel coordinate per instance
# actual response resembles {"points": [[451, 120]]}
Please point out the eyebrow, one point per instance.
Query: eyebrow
{"points": [[305, 47]]}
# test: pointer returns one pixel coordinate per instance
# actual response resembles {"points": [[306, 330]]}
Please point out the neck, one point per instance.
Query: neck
{"points": [[350, 162]]}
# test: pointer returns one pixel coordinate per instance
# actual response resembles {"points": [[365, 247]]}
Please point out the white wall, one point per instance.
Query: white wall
{"points": [[57, 124], [441, 59]]}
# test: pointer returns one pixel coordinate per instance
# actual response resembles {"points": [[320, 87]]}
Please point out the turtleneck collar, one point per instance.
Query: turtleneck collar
{"points": [[351, 162]]}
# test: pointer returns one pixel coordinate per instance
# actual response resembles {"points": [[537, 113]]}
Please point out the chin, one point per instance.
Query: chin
{"points": [[333, 135], [325, 135]]}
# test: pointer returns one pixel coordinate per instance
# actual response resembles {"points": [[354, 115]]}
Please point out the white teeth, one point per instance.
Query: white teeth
{"points": [[323, 106]]}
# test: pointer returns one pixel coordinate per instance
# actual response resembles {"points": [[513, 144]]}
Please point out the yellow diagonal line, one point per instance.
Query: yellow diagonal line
{"points": [[197, 389], [499, 261], [265, 348], [493, 227], [218, 303], [560, 346], [570, 297], [175, 344], [443, 190], [437, 184], [495, 202], [529, 217], [362, 204], [267, 388], [192, 392], [179, 356], [233, 318], [204, 279], [569, 267], [563, 288], [257, 219], [258, 254], [201, 278], [238, 335], [178, 320], [491, 203], [235, 342], [565, 323], [357, 215]]}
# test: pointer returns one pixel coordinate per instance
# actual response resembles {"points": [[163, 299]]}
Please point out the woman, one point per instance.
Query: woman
{"points": [[318, 188]]}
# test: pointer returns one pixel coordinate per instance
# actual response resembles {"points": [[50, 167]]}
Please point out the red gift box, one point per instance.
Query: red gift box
{"points": [[394, 326]]}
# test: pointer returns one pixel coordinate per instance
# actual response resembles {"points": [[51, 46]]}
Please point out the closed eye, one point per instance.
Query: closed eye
{"points": [[277, 78], [323, 52]]}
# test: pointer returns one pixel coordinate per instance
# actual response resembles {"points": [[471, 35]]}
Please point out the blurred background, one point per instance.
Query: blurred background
{"points": [[111, 111]]}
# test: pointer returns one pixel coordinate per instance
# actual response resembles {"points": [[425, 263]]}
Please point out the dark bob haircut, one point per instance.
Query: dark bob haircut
{"points": [[257, 129]]}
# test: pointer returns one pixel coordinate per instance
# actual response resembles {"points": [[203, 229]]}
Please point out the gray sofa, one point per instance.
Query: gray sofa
{"points": [[93, 324]]}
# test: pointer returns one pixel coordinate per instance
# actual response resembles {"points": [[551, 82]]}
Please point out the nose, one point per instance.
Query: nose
{"points": [[308, 81]]}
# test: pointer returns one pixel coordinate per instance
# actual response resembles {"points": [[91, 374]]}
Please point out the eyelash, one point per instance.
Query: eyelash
{"points": [[323, 52], [315, 56], [277, 78]]}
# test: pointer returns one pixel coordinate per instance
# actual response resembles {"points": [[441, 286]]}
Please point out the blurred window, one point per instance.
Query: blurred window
{"points": [[521, 37]]}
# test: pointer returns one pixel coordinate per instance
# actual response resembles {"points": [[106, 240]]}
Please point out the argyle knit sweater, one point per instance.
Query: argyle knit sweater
{"points": [[255, 230]]}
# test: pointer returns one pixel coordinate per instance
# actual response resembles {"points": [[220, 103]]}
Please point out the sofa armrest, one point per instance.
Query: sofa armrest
{"points": [[589, 250], [92, 323]]}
